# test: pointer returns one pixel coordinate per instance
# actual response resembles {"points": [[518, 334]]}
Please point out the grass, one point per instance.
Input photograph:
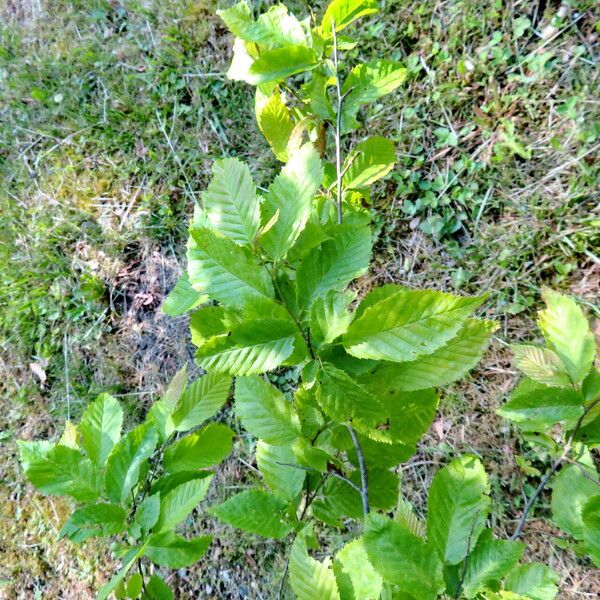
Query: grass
{"points": [[110, 115]]}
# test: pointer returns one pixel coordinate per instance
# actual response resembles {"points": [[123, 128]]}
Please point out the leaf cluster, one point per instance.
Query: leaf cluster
{"points": [[450, 554], [556, 407], [270, 287], [137, 488]]}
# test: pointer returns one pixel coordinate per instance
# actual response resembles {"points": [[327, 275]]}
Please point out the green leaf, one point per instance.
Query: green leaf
{"points": [[70, 436], [281, 63], [383, 487], [488, 562], [343, 399], [376, 295], [339, 502], [590, 388], [225, 271], [94, 520], [370, 161], [276, 27], [541, 365], [124, 463], [176, 388], [545, 405], [211, 321], [309, 456], [146, 515], [239, 69], [457, 508], [200, 450], [258, 310], [366, 83], [160, 414], [230, 201], [571, 490], [344, 12], [100, 427], [170, 550], [354, 573], [568, 333], [182, 298], [534, 581], [315, 91], [402, 558], [157, 589], [449, 363], [408, 416], [275, 122], [255, 346], [255, 511], [405, 515], [309, 578], [333, 264], [134, 585], [201, 400], [501, 595], [291, 196], [265, 412], [591, 531], [58, 470], [127, 561], [177, 504], [589, 433], [161, 419], [329, 317], [169, 482], [408, 324], [273, 462]]}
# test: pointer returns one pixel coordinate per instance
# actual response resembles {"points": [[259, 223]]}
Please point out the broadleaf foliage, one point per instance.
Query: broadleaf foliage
{"points": [[338, 392], [137, 488], [282, 305], [560, 399]]}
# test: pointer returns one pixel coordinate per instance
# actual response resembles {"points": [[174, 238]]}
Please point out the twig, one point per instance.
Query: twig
{"points": [[309, 500], [282, 581], [67, 382], [364, 484], [517, 533], [338, 126], [139, 563], [463, 570], [555, 466], [583, 470]]}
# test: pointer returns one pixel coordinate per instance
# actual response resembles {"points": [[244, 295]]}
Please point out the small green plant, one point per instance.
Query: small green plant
{"points": [[557, 410], [268, 281], [336, 383], [136, 489], [450, 555]]}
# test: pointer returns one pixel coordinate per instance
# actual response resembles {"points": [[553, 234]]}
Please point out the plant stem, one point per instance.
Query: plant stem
{"points": [[544, 481], [463, 570], [338, 127], [305, 336], [309, 500], [583, 470], [283, 576], [139, 564], [364, 484], [555, 466]]}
